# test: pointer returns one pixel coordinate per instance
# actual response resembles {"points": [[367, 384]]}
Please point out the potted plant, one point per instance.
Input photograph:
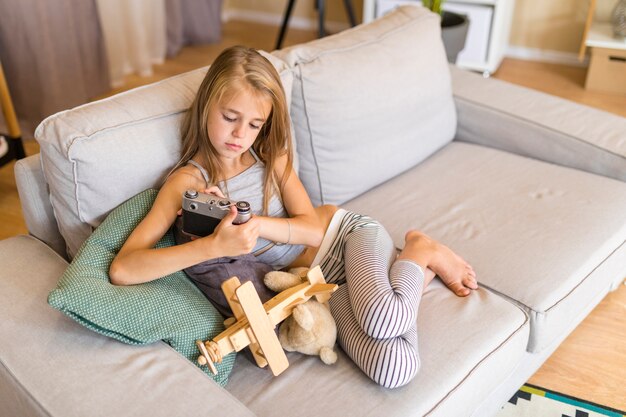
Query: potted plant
{"points": [[453, 28]]}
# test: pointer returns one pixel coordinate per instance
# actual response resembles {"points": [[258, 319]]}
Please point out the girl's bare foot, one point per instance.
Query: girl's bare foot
{"points": [[454, 271]]}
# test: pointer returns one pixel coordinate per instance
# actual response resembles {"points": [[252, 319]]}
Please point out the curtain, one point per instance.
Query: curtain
{"points": [[134, 34], [192, 22], [58, 54], [53, 56]]}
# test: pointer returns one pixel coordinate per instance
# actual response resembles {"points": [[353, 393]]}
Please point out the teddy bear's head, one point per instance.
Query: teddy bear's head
{"points": [[310, 330]]}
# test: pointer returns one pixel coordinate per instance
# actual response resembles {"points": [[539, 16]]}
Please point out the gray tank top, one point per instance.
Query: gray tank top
{"points": [[245, 186]]}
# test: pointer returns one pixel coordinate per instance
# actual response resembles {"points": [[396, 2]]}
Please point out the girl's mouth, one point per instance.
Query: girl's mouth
{"points": [[233, 146]]}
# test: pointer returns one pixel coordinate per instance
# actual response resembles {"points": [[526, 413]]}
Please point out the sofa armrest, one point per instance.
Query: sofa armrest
{"points": [[52, 366], [36, 207], [501, 115]]}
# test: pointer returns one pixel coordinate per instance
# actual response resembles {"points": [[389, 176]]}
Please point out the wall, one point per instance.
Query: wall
{"points": [[555, 25], [548, 27], [604, 9]]}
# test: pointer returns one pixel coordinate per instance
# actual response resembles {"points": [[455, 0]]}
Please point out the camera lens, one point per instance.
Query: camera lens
{"points": [[193, 206], [243, 206]]}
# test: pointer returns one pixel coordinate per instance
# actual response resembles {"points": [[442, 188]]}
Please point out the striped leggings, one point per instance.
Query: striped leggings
{"points": [[376, 305]]}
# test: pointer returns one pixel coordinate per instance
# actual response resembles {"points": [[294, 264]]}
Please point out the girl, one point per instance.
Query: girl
{"points": [[236, 141]]}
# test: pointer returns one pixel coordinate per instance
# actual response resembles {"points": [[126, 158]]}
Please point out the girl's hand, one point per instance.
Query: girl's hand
{"points": [[215, 191], [236, 239]]}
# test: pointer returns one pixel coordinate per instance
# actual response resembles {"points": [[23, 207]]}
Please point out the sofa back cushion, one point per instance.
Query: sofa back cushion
{"points": [[98, 155], [370, 103]]}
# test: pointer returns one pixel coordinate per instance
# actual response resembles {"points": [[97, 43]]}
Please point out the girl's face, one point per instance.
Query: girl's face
{"points": [[235, 122]]}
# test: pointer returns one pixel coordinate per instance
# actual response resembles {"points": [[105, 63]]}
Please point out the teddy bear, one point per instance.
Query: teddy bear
{"points": [[311, 328]]}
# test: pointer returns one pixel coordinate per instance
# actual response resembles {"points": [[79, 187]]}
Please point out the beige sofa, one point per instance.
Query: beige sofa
{"points": [[528, 187]]}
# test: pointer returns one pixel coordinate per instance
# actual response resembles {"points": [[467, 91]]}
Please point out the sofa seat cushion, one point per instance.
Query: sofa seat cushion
{"points": [[548, 237], [52, 366], [366, 94], [100, 154], [467, 347]]}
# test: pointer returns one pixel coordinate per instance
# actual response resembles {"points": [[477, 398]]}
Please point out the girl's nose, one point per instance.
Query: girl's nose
{"points": [[240, 130]]}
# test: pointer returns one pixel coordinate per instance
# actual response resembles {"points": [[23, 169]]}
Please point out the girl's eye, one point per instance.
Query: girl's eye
{"points": [[253, 126], [228, 119]]}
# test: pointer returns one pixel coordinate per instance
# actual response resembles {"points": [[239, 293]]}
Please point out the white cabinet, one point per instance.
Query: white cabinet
{"points": [[488, 34]]}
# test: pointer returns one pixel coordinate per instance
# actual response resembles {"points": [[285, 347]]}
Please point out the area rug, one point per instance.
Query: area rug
{"points": [[533, 401]]}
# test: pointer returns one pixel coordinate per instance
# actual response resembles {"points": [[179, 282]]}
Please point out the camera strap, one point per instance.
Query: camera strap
{"points": [[264, 249]]}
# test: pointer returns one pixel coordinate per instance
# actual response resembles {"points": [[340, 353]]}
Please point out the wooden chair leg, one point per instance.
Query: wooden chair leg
{"points": [[14, 137], [7, 107]]}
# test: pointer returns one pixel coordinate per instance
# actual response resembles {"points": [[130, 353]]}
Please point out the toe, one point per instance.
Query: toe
{"points": [[459, 289], [470, 282]]}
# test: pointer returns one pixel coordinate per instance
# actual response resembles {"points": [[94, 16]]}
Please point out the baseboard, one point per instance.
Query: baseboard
{"points": [[544, 55], [272, 19]]}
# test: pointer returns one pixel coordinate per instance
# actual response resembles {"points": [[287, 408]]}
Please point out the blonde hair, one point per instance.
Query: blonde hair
{"points": [[237, 68]]}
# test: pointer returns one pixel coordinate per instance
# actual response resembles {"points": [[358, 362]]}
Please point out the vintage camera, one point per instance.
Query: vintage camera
{"points": [[203, 212]]}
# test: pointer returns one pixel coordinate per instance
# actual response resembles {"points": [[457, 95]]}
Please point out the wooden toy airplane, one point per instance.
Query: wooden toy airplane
{"points": [[254, 323]]}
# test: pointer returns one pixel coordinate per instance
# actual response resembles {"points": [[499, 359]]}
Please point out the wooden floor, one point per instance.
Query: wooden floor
{"points": [[591, 363]]}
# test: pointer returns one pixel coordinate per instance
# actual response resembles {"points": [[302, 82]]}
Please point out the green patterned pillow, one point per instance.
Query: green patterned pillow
{"points": [[171, 308]]}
